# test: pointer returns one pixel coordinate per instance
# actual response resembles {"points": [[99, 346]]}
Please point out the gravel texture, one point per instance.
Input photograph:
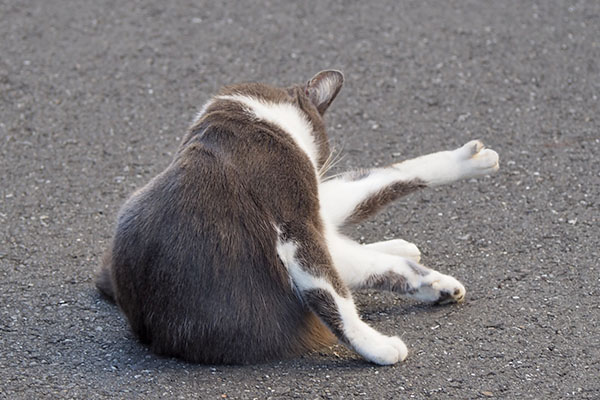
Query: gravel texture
{"points": [[95, 95]]}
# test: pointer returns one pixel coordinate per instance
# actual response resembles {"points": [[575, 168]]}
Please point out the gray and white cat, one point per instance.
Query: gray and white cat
{"points": [[233, 254]]}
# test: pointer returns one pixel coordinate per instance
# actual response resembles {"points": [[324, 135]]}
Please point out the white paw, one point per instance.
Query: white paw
{"points": [[476, 160], [398, 247], [386, 350], [374, 346], [440, 288]]}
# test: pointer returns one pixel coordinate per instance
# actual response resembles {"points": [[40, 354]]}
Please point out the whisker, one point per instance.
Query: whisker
{"points": [[332, 160]]}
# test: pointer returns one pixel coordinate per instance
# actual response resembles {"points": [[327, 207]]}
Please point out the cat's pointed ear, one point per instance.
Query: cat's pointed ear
{"points": [[323, 87]]}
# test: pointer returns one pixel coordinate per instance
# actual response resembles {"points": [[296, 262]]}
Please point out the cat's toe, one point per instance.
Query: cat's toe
{"points": [[471, 148], [475, 146]]}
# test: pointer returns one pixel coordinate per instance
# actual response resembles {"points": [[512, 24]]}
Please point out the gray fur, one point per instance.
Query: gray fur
{"points": [[193, 263]]}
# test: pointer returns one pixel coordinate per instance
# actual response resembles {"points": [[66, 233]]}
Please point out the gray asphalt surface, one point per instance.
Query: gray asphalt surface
{"points": [[95, 95]]}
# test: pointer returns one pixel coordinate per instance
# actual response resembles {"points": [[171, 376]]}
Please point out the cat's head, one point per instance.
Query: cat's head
{"points": [[312, 98]]}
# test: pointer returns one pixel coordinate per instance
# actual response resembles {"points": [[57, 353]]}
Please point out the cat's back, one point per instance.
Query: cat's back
{"points": [[194, 257]]}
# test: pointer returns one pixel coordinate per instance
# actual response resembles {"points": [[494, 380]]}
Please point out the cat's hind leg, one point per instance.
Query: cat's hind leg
{"points": [[320, 287], [353, 196], [363, 267]]}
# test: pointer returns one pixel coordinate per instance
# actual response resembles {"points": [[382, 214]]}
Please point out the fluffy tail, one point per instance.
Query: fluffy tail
{"points": [[104, 277]]}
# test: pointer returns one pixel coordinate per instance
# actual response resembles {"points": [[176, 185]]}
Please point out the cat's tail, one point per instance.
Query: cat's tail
{"points": [[104, 277]]}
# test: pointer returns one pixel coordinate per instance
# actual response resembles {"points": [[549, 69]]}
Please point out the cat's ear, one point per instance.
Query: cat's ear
{"points": [[323, 87]]}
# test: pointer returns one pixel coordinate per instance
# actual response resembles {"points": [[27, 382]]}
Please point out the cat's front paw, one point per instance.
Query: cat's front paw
{"points": [[386, 350], [440, 289], [476, 160]]}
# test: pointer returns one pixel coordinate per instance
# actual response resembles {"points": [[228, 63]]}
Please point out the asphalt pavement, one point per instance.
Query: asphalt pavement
{"points": [[95, 96]]}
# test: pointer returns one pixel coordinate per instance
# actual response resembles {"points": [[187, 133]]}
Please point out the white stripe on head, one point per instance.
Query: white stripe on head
{"points": [[285, 116]]}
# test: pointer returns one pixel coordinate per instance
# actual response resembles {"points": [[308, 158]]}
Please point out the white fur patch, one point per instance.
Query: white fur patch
{"points": [[286, 252], [397, 247], [355, 263], [285, 116], [202, 111]]}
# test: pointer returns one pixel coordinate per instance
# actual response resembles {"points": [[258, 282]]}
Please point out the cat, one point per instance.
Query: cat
{"points": [[233, 254]]}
